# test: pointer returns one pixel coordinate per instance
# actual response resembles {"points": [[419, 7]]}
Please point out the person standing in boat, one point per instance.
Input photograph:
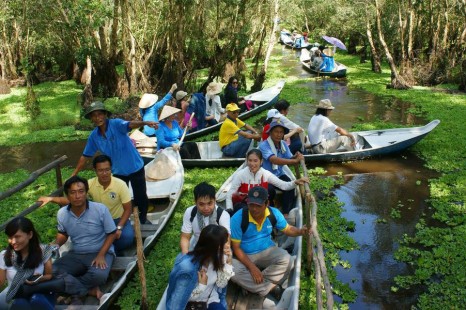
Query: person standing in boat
{"points": [[114, 194], [110, 137], [276, 153], [324, 135], [149, 109], [260, 266], [170, 133], [198, 276], [213, 102], [233, 141], [254, 175], [196, 103]]}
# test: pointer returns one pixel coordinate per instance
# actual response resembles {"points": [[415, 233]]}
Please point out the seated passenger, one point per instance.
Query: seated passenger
{"points": [[214, 108], [233, 141], [254, 175], [260, 266], [328, 63], [204, 212], [170, 133], [194, 104], [276, 154], [114, 194], [199, 275], [149, 109], [231, 95], [92, 230], [324, 135], [317, 59], [297, 135]]}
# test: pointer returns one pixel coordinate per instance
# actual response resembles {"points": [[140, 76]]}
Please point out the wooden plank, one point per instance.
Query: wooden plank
{"points": [[120, 263]]}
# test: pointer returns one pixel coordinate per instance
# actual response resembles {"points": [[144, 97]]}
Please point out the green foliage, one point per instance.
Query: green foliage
{"points": [[31, 105]]}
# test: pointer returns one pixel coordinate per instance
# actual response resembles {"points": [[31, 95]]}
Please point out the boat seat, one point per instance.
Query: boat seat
{"points": [[148, 230]]}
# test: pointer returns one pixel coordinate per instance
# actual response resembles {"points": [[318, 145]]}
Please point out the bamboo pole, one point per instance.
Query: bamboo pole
{"points": [[141, 258], [32, 177]]}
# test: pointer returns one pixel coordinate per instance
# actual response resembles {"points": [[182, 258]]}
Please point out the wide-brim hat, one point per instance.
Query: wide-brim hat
{"points": [[96, 106], [160, 168], [329, 52], [232, 107], [273, 113], [276, 123], [180, 95], [258, 195], [148, 100], [325, 104], [214, 88], [167, 111]]}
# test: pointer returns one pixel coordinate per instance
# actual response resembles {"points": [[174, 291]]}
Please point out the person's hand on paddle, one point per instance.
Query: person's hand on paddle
{"points": [[202, 276], [298, 157], [176, 146], [99, 262], [301, 181], [304, 230], [173, 88], [256, 274], [151, 124], [45, 200]]}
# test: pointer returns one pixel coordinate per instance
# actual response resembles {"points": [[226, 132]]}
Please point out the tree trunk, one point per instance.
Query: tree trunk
{"points": [[375, 58], [397, 81], [86, 95], [412, 17]]}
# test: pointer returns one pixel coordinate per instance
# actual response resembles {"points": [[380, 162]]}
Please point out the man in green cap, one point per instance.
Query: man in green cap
{"points": [[110, 137]]}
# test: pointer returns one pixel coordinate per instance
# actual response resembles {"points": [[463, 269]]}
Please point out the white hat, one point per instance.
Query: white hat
{"points": [[180, 95], [214, 88], [329, 52], [273, 113], [325, 104], [160, 168], [148, 100], [167, 111]]}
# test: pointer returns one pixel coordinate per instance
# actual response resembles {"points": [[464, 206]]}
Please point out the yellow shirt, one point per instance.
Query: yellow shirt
{"points": [[229, 131], [114, 196]]}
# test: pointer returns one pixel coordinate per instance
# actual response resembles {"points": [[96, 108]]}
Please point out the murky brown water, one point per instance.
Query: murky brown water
{"points": [[372, 189]]}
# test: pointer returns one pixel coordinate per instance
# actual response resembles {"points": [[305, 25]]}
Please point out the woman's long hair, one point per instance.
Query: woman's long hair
{"points": [[34, 258], [210, 246]]}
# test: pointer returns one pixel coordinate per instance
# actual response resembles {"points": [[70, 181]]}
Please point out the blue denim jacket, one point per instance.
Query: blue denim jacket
{"points": [[183, 280]]}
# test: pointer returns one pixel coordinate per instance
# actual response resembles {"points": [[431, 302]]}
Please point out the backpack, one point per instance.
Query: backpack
{"points": [[245, 219], [194, 212]]}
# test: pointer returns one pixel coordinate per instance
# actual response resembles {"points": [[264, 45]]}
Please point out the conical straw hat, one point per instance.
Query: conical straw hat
{"points": [[160, 168], [148, 100], [167, 111]]}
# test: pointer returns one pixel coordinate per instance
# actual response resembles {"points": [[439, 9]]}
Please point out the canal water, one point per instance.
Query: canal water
{"points": [[372, 189]]}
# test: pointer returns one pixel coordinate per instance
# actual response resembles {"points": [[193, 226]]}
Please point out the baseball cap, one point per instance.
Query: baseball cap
{"points": [[258, 195]]}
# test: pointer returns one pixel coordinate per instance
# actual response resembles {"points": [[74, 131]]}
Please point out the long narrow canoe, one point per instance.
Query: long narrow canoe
{"points": [[286, 39], [290, 297], [163, 196], [373, 142], [338, 72], [263, 100]]}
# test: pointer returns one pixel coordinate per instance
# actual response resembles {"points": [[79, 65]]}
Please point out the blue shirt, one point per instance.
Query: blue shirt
{"points": [[264, 147], [166, 136], [182, 281], [152, 114], [117, 145], [256, 238], [88, 231]]}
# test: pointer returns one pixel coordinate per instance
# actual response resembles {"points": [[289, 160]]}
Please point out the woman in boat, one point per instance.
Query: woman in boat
{"points": [[328, 63], [231, 95], [194, 104], [324, 135], [169, 134], [254, 175], [197, 276], [214, 108], [24, 260], [274, 114]]}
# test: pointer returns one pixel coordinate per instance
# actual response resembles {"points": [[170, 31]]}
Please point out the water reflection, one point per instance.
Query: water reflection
{"points": [[373, 189]]}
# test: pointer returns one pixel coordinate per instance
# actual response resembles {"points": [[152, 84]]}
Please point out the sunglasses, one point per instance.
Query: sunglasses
{"points": [[234, 82]]}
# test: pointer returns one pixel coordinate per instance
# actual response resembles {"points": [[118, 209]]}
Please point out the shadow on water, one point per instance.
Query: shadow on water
{"points": [[384, 197]]}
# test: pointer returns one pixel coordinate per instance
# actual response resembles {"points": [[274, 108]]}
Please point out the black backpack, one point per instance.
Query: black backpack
{"points": [[245, 219], [194, 212]]}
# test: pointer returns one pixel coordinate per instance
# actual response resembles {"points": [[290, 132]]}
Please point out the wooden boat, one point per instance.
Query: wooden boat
{"points": [[287, 40], [163, 196], [373, 142], [338, 72], [290, 297], [263, 100]]}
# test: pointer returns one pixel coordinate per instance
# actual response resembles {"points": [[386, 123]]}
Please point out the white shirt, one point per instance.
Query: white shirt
{"points": [[320, 128], [216, 108], [11, 270], [193, 228]]}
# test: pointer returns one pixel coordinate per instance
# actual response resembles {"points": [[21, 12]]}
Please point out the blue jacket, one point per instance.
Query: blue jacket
{"points": [[151, 114], [182, 281]]}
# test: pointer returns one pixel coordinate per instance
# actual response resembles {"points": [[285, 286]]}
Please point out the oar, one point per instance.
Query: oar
{"points": [[186, 129], [141, 258], [320, 252]]}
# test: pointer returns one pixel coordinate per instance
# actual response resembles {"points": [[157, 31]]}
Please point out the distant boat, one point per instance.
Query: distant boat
{"points": [[339, 71], [287, 40], [163, 196], [373, 142]]}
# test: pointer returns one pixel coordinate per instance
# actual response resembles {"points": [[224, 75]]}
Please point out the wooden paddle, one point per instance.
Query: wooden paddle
{"points": [[141, 258], [186, 129]]}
